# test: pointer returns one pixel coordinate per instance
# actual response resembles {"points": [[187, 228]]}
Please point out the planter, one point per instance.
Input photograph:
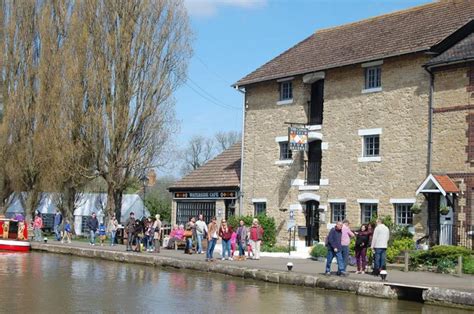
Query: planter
{"points": [[444, 210]]}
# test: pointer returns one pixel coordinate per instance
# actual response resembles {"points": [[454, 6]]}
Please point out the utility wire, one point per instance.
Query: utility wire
{"points": [[211, 71], [210, 98]]}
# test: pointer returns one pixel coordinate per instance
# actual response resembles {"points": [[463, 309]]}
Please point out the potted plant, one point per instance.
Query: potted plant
{"points": [[416, 209], [444, 210]]}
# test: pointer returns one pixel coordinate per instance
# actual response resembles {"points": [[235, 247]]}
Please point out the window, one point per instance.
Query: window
{"points": [[286, 90], [369, 211], [371, 145], [260, 208], [338, 211], [285, 152], [403, 214], [373, 77]]}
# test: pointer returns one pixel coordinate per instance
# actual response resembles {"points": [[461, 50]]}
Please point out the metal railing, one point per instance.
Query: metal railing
{"points": [[312, 172], [466, 236]]}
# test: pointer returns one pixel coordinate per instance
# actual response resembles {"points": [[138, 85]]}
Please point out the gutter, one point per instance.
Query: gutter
{"points": [[241, 189], [430, 122]]}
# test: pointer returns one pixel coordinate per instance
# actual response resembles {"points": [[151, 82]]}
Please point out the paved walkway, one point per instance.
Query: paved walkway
{"points": [[311, 267]]}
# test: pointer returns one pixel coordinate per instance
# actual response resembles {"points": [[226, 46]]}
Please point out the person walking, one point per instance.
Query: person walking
{"points": [[93, 225], [361, 244], [225, 232], [212, 236], [201, 231], [112, 229], [37, 226], [58, 219], [379, 245], [242, 238], [157, 233], [334, 246], [129, 228], [102, 234], [256, 237], [346, 236]]}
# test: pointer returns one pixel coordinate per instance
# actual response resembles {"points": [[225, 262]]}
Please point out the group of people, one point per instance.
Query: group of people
{"points": [[196, 231], [339, 238], [62, 228], [144, 234]]}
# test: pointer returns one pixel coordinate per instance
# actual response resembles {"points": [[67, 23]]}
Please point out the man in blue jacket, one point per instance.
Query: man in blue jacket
{"points": [[333, 243], [58, 219]]}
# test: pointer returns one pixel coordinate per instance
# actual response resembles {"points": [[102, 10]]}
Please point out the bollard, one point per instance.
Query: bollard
{"points": [[407, 260], [460, 265]]}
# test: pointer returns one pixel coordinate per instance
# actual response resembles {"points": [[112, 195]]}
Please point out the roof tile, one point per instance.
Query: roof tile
{"points": [[402, 32]]}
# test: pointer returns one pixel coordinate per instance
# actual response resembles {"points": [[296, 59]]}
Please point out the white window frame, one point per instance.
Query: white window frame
{"points": [[285, 99], [407, 214], [338, 204], [368, 68], [364, 133], [362, 212], [285, 155]]}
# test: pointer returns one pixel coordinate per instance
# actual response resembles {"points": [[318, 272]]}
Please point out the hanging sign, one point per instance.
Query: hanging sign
{"points": [[297, 138]]}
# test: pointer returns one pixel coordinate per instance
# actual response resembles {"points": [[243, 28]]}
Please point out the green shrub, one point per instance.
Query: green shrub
{"points": [[267, 223], [468, 265], [319, 250], [275, 248], [446, 265], [440, 255], [397, 247], [398, 232]]}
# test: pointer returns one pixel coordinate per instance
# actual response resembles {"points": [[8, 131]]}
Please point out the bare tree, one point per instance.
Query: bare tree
{"points": [[197, 152], [140, 52], [227, 139]]}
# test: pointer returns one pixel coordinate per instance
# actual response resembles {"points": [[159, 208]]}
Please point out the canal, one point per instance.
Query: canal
{"points": [[42, 282]]}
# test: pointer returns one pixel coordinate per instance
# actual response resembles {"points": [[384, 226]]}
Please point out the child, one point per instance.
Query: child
{"points": [[102, 233], [233, 244], [67, 232], [249, 250]]}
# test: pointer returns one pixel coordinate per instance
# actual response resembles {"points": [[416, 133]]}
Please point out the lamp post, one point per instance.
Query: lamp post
{"points": [[144, 180]]}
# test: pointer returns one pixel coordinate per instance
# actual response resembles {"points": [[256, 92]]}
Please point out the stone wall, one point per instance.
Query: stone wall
{"points": [[401, 110], [453, 138]]}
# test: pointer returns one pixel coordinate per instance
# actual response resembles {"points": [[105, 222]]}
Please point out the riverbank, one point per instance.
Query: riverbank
{"points": [[423, 287]]}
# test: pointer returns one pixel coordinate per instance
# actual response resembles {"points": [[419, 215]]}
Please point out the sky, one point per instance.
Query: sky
{"points": [[231, 38]]}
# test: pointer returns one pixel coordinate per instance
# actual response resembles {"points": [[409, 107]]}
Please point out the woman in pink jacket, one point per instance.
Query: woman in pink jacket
{"points": [[37, 226], [256, 237]]}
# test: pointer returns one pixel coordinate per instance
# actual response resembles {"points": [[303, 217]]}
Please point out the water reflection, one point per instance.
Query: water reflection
{"points": [[38, 282]]}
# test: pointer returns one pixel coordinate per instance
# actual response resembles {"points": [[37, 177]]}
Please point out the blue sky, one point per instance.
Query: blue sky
{"points": [[234, 37]]}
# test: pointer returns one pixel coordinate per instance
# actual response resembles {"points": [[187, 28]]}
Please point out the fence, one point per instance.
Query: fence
{"points": [[466, 236]]}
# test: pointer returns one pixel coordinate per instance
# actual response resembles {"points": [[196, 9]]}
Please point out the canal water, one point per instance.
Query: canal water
{"points": [[42, 282]]}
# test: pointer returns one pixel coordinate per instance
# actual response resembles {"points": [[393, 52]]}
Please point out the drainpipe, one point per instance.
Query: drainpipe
{"points": [[241, 195], [430, 122]]}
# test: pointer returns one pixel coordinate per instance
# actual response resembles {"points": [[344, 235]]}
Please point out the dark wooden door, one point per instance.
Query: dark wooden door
{"points": [[314, 163], [312, 222], [433, 217], [317, 100]]}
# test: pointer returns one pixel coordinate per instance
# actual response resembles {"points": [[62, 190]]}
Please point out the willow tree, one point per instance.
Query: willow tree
{"points": [[139, 53], [31, 47]]}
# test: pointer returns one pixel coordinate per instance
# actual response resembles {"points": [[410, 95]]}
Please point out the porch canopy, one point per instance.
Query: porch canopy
{"points": [[438, 184]]}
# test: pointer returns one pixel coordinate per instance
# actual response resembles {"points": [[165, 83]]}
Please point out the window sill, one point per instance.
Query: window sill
{"points": [[371, 90], [284, 162], [370, 159], [285, 102]]}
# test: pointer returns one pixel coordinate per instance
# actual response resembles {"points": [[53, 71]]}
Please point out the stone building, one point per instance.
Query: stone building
{"points": [[377, 127], [211, 190]]}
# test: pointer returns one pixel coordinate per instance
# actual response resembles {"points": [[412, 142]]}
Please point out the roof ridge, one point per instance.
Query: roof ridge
{"points": [[394, 13]]}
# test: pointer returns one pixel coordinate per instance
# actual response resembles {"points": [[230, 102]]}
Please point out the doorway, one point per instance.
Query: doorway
{"points": [[313, 171], [316, 105], [433, 217], [312, 222]]}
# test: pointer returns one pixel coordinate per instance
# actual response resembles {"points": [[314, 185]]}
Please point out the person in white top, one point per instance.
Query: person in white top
{"points": [[379, 245], [201, 231]]}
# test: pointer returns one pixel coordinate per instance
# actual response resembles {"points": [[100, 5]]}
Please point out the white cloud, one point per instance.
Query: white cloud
{"points": [[208, 8]]}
